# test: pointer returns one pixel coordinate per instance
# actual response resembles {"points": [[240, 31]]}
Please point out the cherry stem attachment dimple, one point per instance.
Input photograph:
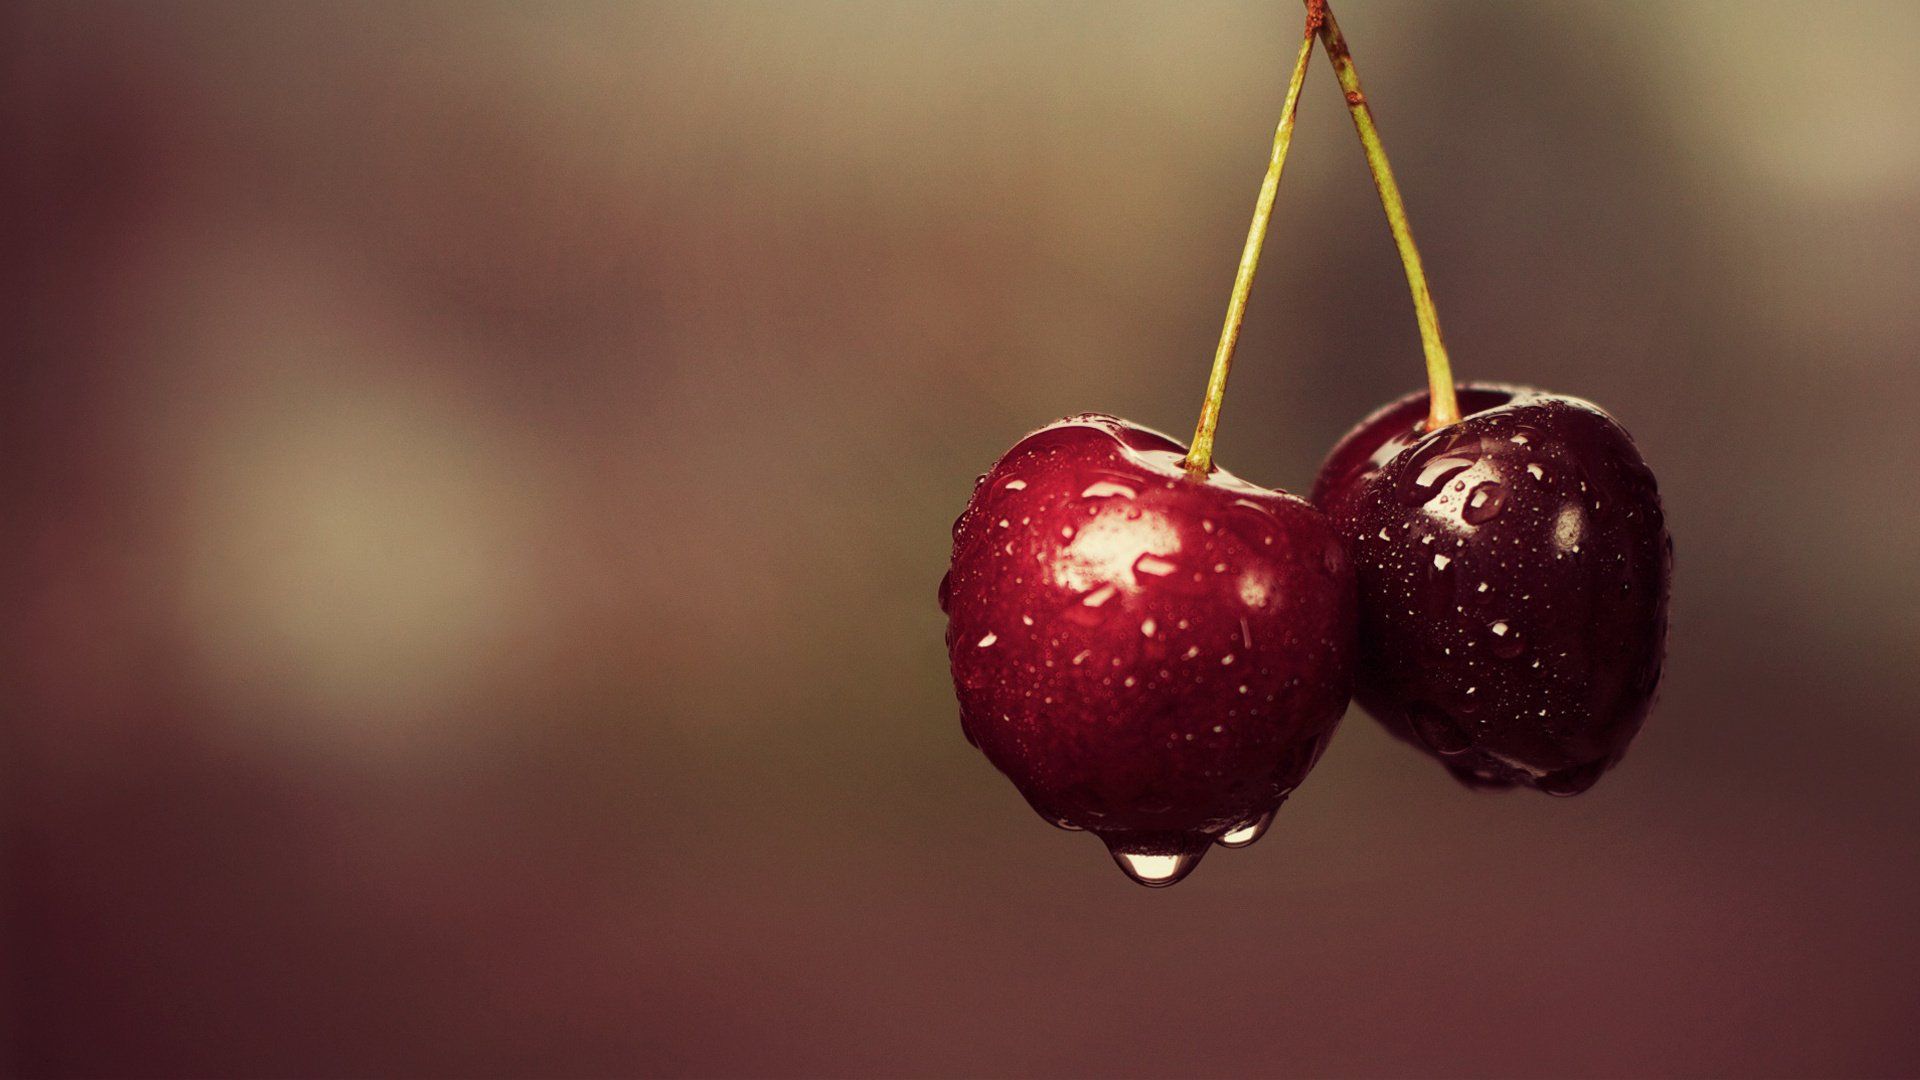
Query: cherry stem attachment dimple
{"points": [[1199, 460], [1443, 409]]}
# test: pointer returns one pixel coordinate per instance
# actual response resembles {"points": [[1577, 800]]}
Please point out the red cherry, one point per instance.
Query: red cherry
{"points": [[1154, 658], [1513, 572]]}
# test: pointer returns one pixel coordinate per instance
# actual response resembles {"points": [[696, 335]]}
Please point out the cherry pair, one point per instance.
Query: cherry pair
{"points": [[1156, 651]]}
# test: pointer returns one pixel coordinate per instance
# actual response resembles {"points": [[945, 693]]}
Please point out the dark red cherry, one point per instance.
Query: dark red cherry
{"points": [[1150, 657], [1513, 572]]}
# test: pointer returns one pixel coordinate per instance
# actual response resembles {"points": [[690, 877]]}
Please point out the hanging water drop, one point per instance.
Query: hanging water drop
{"points": [[1573, 781], [1246, 832], [1156, 869]]}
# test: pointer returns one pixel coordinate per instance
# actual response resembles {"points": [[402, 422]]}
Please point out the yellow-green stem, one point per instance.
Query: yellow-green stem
{"points": [[1199, 461], [1443, 409]]}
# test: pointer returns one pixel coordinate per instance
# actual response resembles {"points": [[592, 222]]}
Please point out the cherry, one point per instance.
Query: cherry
{"points": [[1153, 657], [1513, 566], [1150, 648], [1513, 575]]}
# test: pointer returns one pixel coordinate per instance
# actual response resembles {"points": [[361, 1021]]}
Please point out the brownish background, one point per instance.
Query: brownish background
{"points": [[478, 472]]}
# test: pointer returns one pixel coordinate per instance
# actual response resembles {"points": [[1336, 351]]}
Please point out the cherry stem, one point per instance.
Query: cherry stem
{"points": [[1443, 408], [1199, 460]]}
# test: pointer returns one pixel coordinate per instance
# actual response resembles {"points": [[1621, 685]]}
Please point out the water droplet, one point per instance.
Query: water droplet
{"points": [[1147, 627], [946, 590], [1484, 503], [1506, 640], [1440, 562], [1227, 659], [1092, 608], [1438, 730], [1246, 832], [1573, 781], [989, 639], [1016, 485], [1066, 532], [1154, 566], [1536, 472], [1427, 475], [1568, 527], [1155, 865], [1107, 489]]}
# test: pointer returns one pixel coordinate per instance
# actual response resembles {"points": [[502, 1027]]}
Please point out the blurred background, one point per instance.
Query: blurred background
{"points": [[478, 474]]}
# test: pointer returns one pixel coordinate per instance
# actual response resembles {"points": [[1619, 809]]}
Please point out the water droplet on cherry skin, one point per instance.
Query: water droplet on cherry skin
{"points": [[1109, 489], [1483, 504], [1433, 467], [1245, 833], [1093, 608], [1152, 565], [1506, 641]]}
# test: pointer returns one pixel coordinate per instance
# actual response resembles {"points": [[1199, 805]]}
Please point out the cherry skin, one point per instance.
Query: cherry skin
{"points": [[1150, 657], [1513, 574]]}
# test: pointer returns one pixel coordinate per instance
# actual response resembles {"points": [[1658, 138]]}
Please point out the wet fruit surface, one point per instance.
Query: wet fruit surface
{"points": [[1513, 573], [1149, 657]]}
